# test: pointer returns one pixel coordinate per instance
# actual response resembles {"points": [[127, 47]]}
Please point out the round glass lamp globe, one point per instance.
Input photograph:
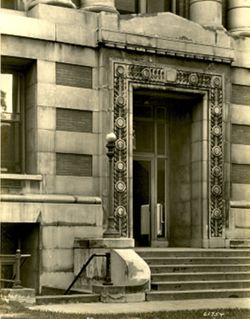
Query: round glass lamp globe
{"points": [[111, 137]]}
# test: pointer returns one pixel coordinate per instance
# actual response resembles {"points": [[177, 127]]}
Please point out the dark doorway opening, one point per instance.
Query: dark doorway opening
{"points": [[168, 139], [23, 236], [141, 203]]}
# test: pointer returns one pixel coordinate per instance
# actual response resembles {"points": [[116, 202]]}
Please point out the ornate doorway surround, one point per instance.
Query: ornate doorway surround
{"points": [[128, 75]]}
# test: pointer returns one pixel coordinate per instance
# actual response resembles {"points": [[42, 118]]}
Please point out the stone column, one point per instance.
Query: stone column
{"points": [[59, 3], [98, 6], [238, 17], [206, 12]]}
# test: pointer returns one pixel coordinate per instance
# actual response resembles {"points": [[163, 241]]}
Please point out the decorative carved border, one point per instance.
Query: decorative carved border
{"points": [[159, 75]]}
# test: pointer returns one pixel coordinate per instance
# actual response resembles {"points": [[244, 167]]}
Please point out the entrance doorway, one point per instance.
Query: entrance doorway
{"points": [[167, 169]]}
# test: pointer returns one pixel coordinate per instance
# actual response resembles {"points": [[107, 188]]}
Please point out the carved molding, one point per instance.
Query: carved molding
{"points": [[160, 75], [167, 51]]}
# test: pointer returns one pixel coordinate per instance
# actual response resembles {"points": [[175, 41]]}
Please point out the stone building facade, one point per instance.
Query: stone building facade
{"points": [[171, 79]]}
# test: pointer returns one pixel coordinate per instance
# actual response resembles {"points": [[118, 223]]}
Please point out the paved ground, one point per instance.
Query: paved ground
{"points": [[149, 306], [13, 316]]}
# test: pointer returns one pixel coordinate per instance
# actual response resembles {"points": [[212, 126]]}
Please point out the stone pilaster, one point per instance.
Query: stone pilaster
{"points": [[206, 12], [98, 6], [59, 3], [238, 17]]}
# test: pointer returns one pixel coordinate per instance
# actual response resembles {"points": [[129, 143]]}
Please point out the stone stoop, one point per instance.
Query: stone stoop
{"points": [[197, 273]]}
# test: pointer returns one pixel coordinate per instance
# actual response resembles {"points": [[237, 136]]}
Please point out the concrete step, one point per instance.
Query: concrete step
{"points": [[60, 299], [196, 260], [49, 291], [191, 252], [198, 276], [198, 294], [198, 268], [198, 285]]}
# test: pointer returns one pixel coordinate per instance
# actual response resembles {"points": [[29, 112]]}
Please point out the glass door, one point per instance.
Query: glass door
{"points": [[150, 175]]}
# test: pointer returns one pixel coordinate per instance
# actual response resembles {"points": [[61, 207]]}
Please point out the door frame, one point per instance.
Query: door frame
{"points": [[203, 200], [127, 75]]}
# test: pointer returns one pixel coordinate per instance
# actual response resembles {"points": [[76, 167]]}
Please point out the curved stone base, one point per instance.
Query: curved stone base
{"points": [[99, 5], [59, 3], [133, 270], [245, 32], [100, 9]]}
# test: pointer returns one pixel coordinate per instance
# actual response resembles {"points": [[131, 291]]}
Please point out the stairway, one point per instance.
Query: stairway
{"points": [[186, 273]]}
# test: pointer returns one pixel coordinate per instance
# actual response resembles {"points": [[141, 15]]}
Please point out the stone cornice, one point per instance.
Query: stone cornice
{"points": [[165, 34], [164, 46]]}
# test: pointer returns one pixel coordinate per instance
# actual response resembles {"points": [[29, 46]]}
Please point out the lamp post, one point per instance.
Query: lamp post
{"points": [[110, 231]]}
